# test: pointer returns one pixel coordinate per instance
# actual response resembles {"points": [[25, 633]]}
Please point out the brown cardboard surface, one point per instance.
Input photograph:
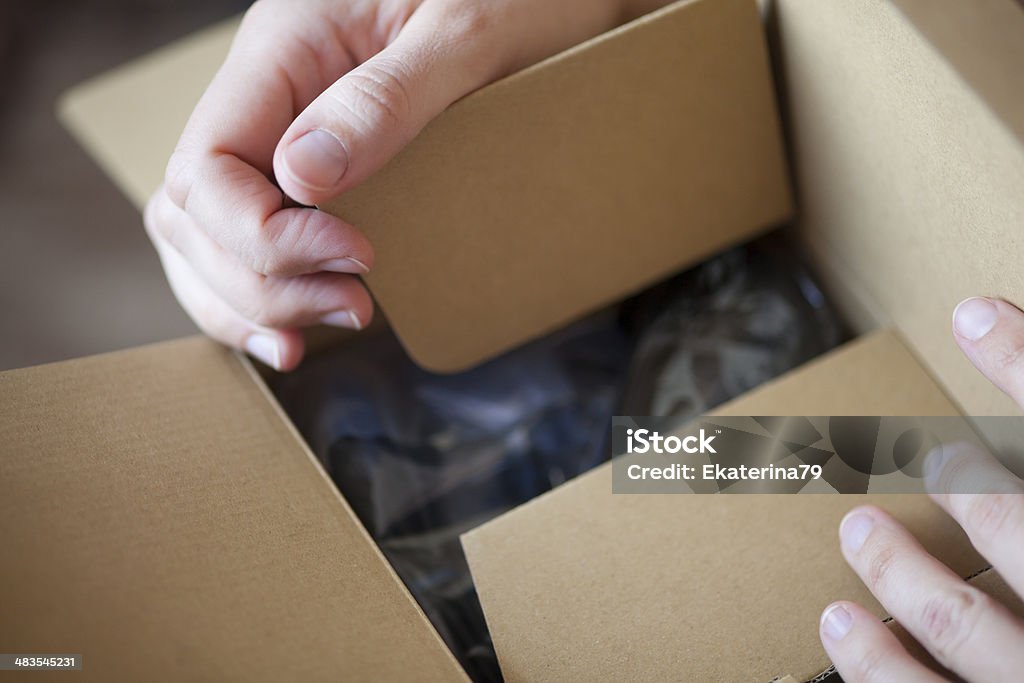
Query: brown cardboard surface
{"points": [[874, 374], [910, 186], [581, 584], [584, 178], [984, 41], [516, 211], [160, 517]]}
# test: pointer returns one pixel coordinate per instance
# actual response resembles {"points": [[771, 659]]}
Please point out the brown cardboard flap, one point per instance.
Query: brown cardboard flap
{"points": [[911, 189], [584, 585], [535, 200], [984, 41], [575, 182], [160, 517]]}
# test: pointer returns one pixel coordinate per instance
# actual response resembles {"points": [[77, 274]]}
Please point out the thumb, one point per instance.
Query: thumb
{"points": [[367, 116], [991, 333]]}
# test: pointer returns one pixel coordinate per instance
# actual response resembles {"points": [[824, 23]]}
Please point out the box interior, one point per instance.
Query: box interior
{"points": [[907, 166]]}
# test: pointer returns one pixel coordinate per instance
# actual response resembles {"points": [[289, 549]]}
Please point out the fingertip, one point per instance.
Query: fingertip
{"points": [[309, 167], [974, 317], [836, 622], [863, 648], [990, 332], [293, 348], [357, 316], [281, 350], [860, 510]]}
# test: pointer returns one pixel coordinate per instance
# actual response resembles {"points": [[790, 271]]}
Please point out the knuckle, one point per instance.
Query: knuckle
{"points": [[873, 666], [257, 304], [209, 320], [949, 620], [267, 259], [263, 313], [989, 515], [261, 11], [178, 178], [1009, 356], [881, 565], [281, 241], [161, 224], [466, 22], [380, 90]]}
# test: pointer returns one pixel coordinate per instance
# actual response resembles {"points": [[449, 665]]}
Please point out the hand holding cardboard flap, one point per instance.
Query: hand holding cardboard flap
{"points": [[318, 97], [554, 192], [593, 160]]}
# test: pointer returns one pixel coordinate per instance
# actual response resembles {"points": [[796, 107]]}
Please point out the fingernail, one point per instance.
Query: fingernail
{"points": [[836, 622], [316, 160], [975, 317], [855, 529], [350, 265], [933, 464], [346, 319], [265, 348]]}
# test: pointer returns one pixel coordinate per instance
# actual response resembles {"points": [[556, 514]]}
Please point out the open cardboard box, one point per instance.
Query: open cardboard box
{"points": [[162, 516]]}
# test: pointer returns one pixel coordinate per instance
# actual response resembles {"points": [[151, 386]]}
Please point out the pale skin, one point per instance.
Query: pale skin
{"points": [[965, 630], [316, 95]]}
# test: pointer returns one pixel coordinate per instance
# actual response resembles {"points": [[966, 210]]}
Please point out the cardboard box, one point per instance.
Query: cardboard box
{"points": [[161, 515]]}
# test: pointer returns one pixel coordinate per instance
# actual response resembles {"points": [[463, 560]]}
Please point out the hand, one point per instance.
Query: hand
{"points": [[964, 629], [319, 94]]}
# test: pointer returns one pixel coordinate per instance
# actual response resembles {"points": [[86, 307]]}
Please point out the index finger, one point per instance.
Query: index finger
{"points": [[990, 332], [986, 499], [957, 623], [274, 69], [220, 172]]}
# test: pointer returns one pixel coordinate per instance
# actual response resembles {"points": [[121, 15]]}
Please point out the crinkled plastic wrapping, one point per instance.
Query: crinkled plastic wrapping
{"points": [[724, 328], [422, 458]]}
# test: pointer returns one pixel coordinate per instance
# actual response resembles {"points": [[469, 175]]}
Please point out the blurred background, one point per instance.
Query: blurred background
{"points": [[77, 273]]}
